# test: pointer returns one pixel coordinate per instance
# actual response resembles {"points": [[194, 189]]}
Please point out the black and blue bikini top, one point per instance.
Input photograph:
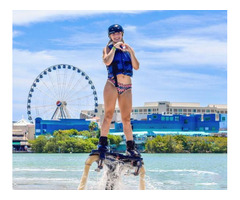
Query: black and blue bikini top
{"points": [[121, 64]]}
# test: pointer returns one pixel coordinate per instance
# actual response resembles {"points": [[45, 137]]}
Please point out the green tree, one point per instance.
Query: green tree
{"points": [[114, 139], [84, 146], [156, 145], [39, 143], [94, 140], [182, 139], [87, 134], [51, 146], [170, 143], [92, 126], [179, 144]]}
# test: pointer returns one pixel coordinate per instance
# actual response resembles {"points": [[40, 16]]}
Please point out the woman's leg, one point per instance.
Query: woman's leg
{"points": [[110, 96], [125, 105]]}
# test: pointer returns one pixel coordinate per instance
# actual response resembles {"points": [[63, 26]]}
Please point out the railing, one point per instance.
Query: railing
{"points": [[19, 138], [18, 133]]}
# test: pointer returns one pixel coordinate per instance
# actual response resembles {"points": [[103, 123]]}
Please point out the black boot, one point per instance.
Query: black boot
{"points": [[131, 149], [103, 146]]}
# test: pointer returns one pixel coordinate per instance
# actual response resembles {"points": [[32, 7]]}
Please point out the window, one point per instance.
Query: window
{"points": [[213, 128], [223, 119], [185, 121], [189, 110], [171, 118], [149, 110], [162, 118], [207, 118], [208, 111], [167, 118], [154, 116], [136, 110], [177, 118], [180, 110], [194, 110]]}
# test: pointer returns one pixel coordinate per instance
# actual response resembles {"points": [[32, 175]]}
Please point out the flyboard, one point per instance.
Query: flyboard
{"points": [[115, 162]]}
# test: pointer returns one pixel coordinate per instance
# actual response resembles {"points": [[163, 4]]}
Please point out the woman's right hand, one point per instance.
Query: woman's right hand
{"points": [[118, 45]]}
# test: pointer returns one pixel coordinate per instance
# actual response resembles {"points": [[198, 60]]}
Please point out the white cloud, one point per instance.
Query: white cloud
{"points": [[188, 21], [184, 51], [175, 85], [16, 33], [43, 59], [183, 19], [80, 39], [26, 17], [130, 28], [214, 30]]}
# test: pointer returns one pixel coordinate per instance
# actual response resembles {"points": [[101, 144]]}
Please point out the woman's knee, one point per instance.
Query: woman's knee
{"points": [[126, 120], [108, 116]]}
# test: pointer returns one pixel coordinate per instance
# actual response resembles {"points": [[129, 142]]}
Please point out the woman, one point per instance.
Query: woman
{"points": [[120, 60]]}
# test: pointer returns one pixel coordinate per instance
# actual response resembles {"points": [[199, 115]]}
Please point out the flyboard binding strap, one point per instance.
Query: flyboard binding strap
{"points": [[120, 158]]}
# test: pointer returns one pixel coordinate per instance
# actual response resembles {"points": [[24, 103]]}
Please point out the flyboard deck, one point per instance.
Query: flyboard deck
{"points": [[113, 161]]}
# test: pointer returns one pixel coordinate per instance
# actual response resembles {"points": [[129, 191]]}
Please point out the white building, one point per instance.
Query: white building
{"points": [[22, 131], [165, 107]]}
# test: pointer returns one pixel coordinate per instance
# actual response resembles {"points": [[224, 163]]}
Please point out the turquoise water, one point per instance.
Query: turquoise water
{"points": [[163, 172]]}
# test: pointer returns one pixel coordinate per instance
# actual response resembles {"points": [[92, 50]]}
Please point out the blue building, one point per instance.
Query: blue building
{"points": [[49, 126], [223, 122], [158, 122]]}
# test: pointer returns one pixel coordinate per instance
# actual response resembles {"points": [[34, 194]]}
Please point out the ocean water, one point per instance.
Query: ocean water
{"points": [[163, 172]]}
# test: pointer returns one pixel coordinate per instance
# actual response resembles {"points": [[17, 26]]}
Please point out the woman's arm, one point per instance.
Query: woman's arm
{"points": [[134, 60], [108, 54]]}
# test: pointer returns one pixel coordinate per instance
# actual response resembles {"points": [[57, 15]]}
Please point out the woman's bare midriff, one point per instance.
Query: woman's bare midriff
{"points": [[124, 79]]}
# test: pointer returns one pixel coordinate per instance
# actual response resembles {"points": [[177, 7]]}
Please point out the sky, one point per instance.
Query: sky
{"points": [[182, 53]]}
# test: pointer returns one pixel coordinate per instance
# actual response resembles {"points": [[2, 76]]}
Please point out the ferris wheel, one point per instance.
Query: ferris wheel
{"points": [[62, 91]]}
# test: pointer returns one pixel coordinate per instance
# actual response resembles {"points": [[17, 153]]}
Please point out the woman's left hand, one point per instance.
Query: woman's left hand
{"points": [[134, 60], [126, 47]]}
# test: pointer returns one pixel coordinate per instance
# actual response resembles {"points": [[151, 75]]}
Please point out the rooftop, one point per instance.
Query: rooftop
{"points": [[22, 122]]}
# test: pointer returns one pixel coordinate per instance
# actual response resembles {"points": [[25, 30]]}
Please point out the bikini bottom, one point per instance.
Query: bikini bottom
{"points": [[121, 87]]}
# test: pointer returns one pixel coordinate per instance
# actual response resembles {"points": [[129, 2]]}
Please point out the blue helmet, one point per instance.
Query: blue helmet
{"points": [[115, 28]]}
